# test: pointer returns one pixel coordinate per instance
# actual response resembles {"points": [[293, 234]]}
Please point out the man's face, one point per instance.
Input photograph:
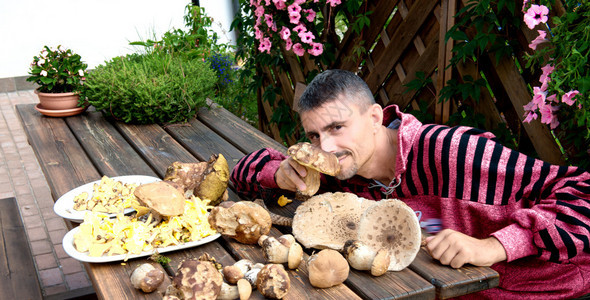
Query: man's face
{"points": [[339, 127]]}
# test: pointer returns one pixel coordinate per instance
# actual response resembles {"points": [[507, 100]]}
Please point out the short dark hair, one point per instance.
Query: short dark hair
{"points": [[331, 84]]}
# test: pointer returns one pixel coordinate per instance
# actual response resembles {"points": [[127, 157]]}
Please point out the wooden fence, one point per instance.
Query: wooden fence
{"points": [[408, 37]]}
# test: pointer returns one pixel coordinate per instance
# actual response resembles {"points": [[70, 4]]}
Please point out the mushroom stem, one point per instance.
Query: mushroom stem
{"points": [[362, 257]]}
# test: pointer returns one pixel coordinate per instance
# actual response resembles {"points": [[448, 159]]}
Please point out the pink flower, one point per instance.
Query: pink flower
{"points": [[567, 98], [546, 111], [539, 40], [534, 15], [317, 49], [259, 11], [539, 96], [265, 45], [547, 70], [268, 19], [257, 33], [298, 49], [294, 9], [299, 2], [294, 18], [280, 4], [285, 33], [300, 29], [333, 3], [531, 106], [310, 14], [530, 116], [288, 44], [307, 37], [267, 2], [552, 98], [524, 3], [554, 123]]}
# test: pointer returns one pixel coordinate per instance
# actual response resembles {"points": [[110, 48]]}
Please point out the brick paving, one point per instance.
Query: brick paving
{"points": [[21, 177]]}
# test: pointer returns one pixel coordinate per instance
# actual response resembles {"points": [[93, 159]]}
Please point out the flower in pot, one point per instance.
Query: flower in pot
{"points": [[60, 74]]}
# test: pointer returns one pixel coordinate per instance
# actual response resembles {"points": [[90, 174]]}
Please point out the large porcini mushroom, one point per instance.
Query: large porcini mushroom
{"points": [[161, 198], [328, 220], [392, 225], [196, 279], [146, 278], [206, 180], [315, 160], [273, 281], [327, 268], [237, 271], [283, 249], [244, 221], [361, 257]]}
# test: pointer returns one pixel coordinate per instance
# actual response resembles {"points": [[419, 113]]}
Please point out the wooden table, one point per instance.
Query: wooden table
{"points": [[76, 150]]}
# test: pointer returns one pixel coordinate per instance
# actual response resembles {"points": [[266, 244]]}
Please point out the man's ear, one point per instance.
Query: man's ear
{"points": [[376, 115]]}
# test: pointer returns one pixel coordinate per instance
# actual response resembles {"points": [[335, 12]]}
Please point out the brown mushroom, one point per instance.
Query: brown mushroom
{"points": [[244, 221], [196, 279], [242, 290], [283, 249], [329, 220], [392, 225], [327, 268], [273, 281], [236, 271], [315, 160], [161, 198], [146, 278], [361, 257]]}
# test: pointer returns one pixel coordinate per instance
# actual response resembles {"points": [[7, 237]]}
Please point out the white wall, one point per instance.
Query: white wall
{"points": [[96, 29]]}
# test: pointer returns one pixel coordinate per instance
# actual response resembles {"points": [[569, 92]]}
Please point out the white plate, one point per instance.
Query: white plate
{"points": [[63, 207], [68, 244]]}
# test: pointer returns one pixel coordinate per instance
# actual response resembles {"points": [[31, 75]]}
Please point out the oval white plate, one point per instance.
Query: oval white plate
{"points": [[68, 244], [63, 207]]}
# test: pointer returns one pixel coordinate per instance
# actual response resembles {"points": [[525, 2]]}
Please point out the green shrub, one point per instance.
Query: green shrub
{"points": [[150, 88]]}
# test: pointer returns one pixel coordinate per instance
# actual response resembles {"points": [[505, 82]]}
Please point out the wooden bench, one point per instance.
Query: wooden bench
{"points": [[80, 149]]}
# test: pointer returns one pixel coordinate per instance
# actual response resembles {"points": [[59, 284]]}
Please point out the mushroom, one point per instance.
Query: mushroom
{"points": [[273, 281], [161, 198], [242, 290], [315, 160], [236, 271], [196, 279], [281, 250], [392, 225], [327, 268], [361, 257], [147, 278], [252, 275], [244, 221], [329, 220]]}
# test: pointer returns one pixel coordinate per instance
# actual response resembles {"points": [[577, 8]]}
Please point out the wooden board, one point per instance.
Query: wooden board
{"points": [[18, 278]]}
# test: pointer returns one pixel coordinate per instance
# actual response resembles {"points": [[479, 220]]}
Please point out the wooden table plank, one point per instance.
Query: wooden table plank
{"points": [[61, 157], [203, 142], [236, 131], [451, 282], [102, 142]]}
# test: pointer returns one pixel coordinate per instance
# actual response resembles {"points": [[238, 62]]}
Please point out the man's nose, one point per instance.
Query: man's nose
{"points": [[328, 144]]}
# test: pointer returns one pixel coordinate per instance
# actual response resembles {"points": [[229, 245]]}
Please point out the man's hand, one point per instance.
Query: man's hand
{"points": [[289, 175], [453, 248]]}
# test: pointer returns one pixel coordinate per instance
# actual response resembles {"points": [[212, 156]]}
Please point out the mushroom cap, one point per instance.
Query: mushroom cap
{"points": [[196, 278], [244, 221], [161, 197], [393, 225], [327, 268], [273, 281], [314, 157], [329, 220], [146, 277]]}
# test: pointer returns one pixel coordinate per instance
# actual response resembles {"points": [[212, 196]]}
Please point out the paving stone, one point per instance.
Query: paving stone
{"points": [[51, 277], [33, 221], [36, 234], [40, 247], [29, 210], [54, 290], [45, 261], [70, 266], [60, 252], [57, 236], [77, 281], [55, 224]]}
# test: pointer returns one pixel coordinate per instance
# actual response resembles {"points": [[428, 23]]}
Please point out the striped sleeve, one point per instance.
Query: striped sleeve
{"points": [[253, 175]]}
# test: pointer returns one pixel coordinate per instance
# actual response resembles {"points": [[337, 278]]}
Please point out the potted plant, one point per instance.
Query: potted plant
{"points": [[60, 74]]}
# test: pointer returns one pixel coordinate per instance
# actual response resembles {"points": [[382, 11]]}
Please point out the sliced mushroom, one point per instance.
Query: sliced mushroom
{"points": [[329, 220], [392, 225], [315, 160], [244, 221], [327, 268]]}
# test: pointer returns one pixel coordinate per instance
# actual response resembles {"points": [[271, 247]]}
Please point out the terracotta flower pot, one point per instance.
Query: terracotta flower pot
{"points": [[58, 101]]}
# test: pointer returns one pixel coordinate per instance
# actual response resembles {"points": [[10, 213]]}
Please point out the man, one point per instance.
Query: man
{"points": [[525, 218]]}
